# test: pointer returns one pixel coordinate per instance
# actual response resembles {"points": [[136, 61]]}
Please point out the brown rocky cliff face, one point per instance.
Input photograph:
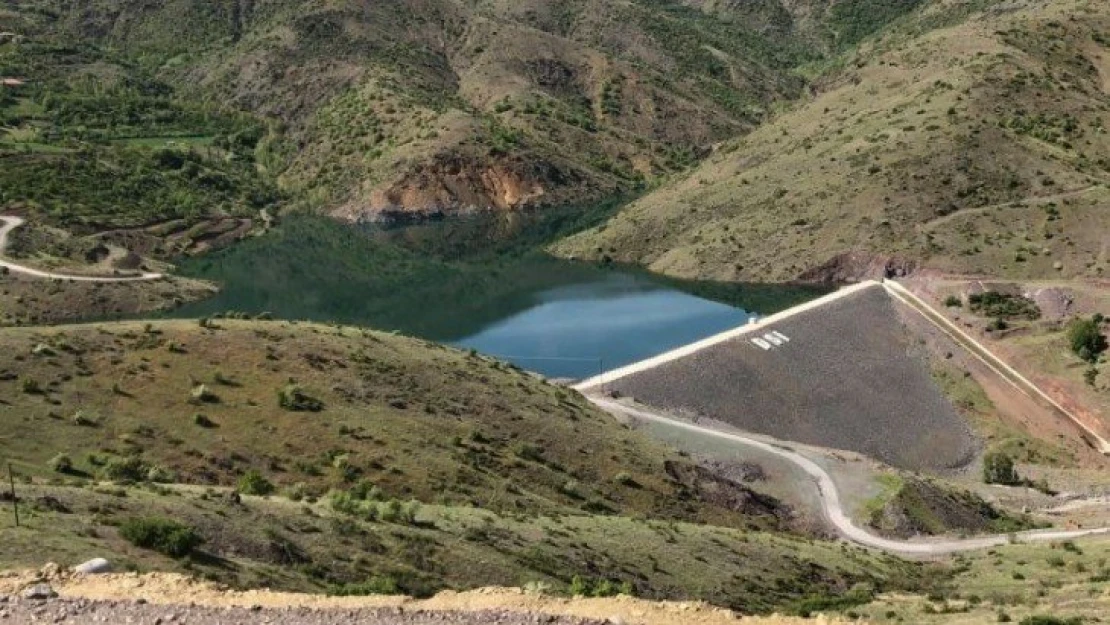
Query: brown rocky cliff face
{"points": [[858, 266], [458, 184]]}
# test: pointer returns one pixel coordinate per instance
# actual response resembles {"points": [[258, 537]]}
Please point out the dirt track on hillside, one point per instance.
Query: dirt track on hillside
{"points": [[834, 512], [7, 224]]}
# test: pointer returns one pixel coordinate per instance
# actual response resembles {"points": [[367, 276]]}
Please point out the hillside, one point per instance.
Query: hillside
{"points": [[427, 106], [115, 422], [201, 404], [970, 145]]}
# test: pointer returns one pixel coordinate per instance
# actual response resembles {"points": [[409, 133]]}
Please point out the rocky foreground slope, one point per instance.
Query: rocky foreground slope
{"points": [[60, 597]]}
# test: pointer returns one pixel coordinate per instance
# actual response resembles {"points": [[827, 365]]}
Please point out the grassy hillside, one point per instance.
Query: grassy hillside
{"points": [[309, 546], [427, 106], [204, 405], [438, 468], [1010, 584], [963, 140]]}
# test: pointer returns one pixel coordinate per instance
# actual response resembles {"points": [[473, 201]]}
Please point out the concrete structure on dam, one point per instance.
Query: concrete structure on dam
{"points": [[841, 372]]}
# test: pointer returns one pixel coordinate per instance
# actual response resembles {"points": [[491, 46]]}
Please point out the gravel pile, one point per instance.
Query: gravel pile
{"points": [[20, 610], [851, 377]]}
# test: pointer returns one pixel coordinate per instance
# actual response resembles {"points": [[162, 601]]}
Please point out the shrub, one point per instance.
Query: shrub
{"points": [[1003, 306], [601, 587], [162, 535], [83, 420], [953, 301], [806, 606], [297, 492], [1086, 340], [625, 479], [998, 468], [201, 393], [377, 585], [129, 469], [1041, 619], [61, 464], [30, 386], [392, 511], [159, 475], [220, 378], [254, 483], [293, 398], [528, 451]]}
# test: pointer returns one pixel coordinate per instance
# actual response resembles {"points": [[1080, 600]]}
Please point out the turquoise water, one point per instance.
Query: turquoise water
{"points": [[456, 283], [579, 330]]}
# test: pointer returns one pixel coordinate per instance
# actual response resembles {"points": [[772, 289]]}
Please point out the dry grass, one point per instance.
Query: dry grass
{"points": [[947, 148], [1060, 579], [416, 419], [34, 301]]}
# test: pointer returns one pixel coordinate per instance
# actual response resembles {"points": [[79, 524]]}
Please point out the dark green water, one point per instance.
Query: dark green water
{"points": [[479, 283]]}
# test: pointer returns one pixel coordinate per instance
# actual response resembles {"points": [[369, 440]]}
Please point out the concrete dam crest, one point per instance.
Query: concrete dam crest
{"points": [[841, 371]]}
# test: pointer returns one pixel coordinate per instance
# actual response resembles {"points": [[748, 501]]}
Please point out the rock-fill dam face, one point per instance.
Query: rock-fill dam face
{"points": [[846, 374]]}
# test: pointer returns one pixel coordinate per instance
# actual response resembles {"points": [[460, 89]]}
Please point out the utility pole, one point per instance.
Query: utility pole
{"points": [[15, 502]]}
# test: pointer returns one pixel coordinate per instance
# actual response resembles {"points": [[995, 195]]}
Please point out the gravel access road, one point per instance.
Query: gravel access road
{"points": [[832, 509], [7, 224], [85, 612]]}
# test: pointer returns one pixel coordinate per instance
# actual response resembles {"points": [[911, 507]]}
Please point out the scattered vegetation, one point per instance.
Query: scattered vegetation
{"points": [[162, 535], [254, 483], [1086, 339], [1003, 306], [294, 398], [998, 468]]}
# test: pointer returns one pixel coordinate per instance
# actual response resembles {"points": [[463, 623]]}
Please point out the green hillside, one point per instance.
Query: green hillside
{"points": [[401, 107], [965, 141], [384, 460]]}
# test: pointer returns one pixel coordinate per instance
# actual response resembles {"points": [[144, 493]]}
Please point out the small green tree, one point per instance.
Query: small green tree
{"points": [[254, 483], [1086, 339], [998, 468]]}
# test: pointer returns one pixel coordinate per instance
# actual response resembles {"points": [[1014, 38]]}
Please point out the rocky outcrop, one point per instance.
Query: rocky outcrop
{"points": [[460, 184], [922, 508], [857, 267], [707, 485]]}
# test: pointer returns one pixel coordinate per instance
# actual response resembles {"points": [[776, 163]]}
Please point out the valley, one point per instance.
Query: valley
{"points": [[693, 311]]}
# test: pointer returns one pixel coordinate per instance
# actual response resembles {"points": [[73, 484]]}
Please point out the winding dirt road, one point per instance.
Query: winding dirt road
{"points": [[831, 507], [7, 224]]}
